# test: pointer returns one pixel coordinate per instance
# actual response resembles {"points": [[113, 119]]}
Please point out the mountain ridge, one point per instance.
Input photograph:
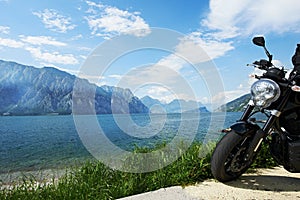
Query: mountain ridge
{"points": [[236, 105], [27, 90], [175, 106]]}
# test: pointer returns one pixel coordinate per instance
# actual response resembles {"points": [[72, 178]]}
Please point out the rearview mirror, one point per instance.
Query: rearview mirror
{"points": [[259, 41]]}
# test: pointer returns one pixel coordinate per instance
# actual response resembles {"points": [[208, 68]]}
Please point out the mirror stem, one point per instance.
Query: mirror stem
{"points": [[268, 54]]}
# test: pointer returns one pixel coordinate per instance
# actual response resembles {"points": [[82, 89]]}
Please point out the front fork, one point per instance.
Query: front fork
{"points": [[262, 133]]}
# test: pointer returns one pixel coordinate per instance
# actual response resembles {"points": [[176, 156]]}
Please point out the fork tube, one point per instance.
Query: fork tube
{"points": [[247, 112]]}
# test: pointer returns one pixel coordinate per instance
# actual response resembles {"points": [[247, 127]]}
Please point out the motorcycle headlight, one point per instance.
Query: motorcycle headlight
{"points": [[264, 92]]}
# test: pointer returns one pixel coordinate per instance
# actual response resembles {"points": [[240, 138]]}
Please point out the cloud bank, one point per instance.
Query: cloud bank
{"points": [[108, 21], [55, 21]]}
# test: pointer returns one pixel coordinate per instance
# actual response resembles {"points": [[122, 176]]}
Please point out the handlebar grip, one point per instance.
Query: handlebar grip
{"points": [[263, 64]]}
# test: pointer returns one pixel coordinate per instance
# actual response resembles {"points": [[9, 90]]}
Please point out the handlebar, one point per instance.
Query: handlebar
{"points": [[262, 64]]}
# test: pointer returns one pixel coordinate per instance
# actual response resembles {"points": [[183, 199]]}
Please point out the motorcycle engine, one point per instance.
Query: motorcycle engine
{"points": [[291, 122], [286, 151]]}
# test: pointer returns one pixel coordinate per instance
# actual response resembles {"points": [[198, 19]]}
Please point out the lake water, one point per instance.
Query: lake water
{"points": [[50, 142]]}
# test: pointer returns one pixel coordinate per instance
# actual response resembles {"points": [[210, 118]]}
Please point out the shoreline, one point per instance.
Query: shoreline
{"points": [[40, 176], [44, 174]]}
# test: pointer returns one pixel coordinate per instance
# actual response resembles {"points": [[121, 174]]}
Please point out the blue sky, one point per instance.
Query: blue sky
{"points": [[64, 33]]}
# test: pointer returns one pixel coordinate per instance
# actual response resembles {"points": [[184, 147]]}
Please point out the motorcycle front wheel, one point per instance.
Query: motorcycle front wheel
{"points": [[231, 158]]}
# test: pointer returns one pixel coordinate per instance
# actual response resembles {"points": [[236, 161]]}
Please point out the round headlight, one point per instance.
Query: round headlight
{"points": [[264, 92]]}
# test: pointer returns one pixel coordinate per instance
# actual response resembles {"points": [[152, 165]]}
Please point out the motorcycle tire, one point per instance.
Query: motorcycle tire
{"points": [[230, 158]]}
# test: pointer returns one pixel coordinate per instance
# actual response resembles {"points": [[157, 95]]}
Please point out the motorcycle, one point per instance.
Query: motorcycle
{"points": [[278, 98]]}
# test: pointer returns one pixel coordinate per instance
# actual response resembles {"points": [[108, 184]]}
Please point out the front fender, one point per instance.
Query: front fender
{"points": [[244, 128]]}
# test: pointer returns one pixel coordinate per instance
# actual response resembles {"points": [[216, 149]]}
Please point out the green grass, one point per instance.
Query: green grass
{"points": [[94, 180]]}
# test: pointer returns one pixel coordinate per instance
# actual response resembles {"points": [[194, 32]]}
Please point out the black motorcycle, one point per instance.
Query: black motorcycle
{"points": [[279, 99]]}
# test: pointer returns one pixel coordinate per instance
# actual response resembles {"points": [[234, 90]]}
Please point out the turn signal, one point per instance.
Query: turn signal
{"points": [[296, 88]]}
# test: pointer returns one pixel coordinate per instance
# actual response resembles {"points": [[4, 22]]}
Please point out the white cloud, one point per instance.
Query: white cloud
{"points": [[149, 74], [277, 63], [77, 37], [41, 40], [115, 76], [196, 48], [108, 21], [172, 61], [232, 18], [93, 4], [193, 49], [27, 43], [11, 43], [4, 29], [55, 21], [53, 57], [162, 93], [157, 90], [204, 100], [222, 17], [280, 16]]}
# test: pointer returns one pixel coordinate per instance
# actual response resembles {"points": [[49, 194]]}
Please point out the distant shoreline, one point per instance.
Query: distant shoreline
{"points": [[43, 175]]}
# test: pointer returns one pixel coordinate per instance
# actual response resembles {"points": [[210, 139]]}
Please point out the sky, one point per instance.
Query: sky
{"points": [[187, 49]]}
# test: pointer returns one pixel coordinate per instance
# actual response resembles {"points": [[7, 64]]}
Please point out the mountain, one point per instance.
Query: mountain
{"points": [[120, 96], [154, 105], [149, 102], [201, 109], [26, 90], [236, 105], [175, 106], [179, 105]]}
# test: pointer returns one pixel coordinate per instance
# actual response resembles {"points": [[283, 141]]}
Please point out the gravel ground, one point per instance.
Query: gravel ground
{"points": [[272, 184]]}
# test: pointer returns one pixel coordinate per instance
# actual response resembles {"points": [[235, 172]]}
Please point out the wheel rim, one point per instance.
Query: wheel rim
{"points": [[238, 159]]}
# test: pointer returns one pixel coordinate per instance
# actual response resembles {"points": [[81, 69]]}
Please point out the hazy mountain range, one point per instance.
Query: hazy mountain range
{"points": [[175, 106], [26, 90]]}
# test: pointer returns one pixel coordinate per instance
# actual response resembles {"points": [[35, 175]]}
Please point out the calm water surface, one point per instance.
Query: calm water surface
{"points": [[49, 142]]}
